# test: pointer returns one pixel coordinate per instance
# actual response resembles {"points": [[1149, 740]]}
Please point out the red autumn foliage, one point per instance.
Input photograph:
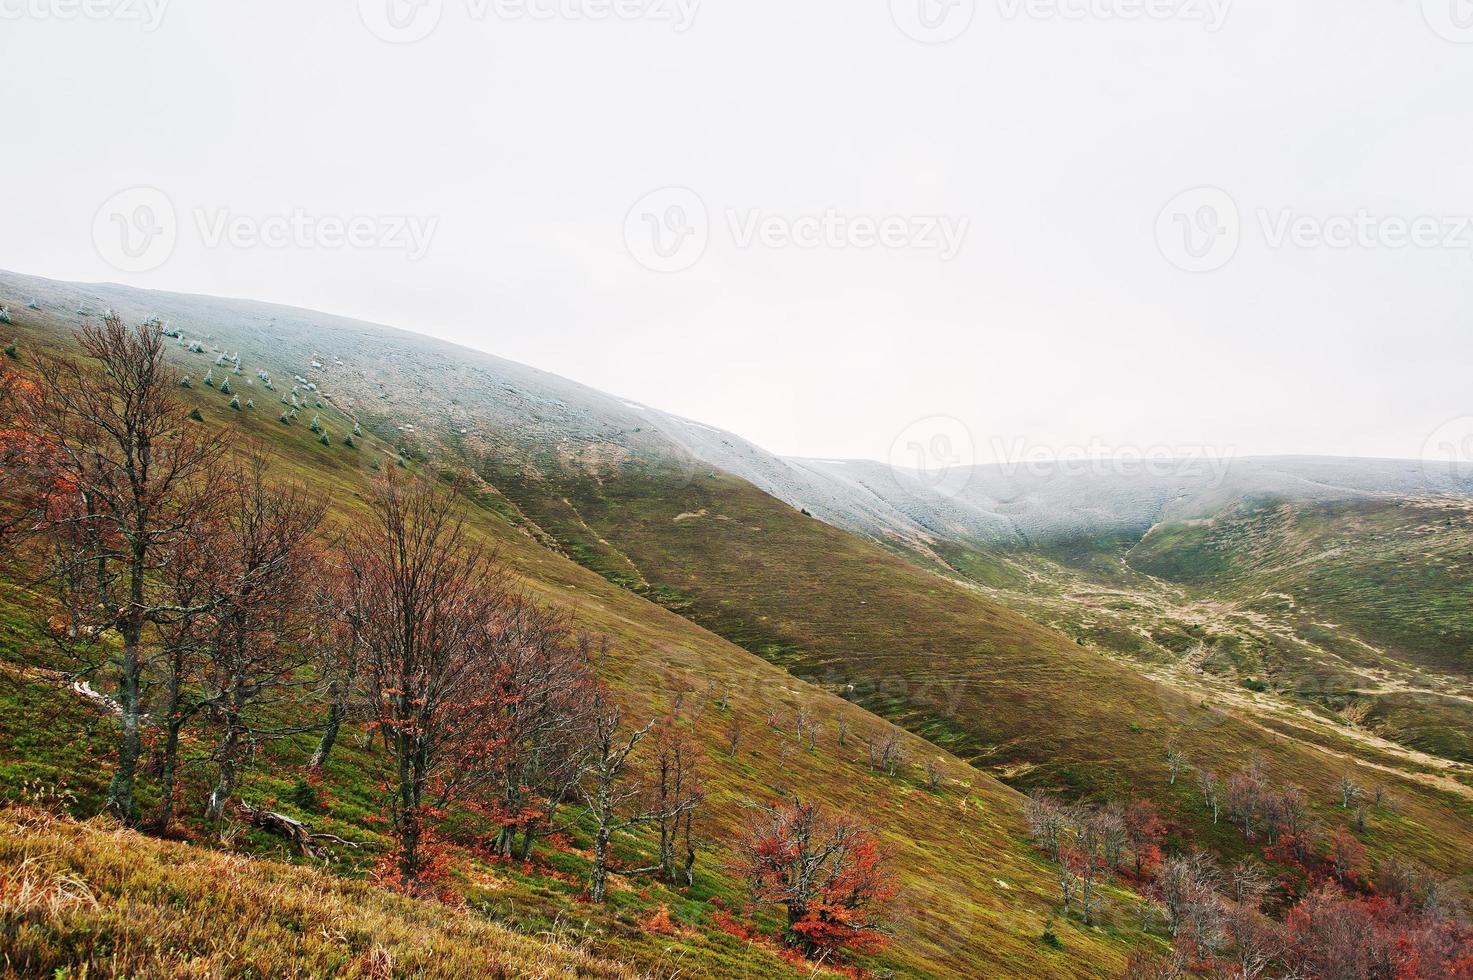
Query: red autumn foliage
{"points": [[828, 873]]}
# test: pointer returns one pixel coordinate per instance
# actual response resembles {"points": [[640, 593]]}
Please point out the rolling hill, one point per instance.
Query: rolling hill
{"points": [[974, 895], [1031, 635]]}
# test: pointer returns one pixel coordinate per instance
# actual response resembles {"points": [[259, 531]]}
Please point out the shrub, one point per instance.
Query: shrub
{"points": [[4, 314], [251, 404], [235, 403], [194, 414], [10, 351], [348, 441], [316, 425], [225, 387], [285, 419], [210, 378], [324, 439], [184, 382]]}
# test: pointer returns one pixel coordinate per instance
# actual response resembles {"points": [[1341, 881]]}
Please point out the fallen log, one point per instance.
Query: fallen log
{"points": [[96, 699], [293, 830]]}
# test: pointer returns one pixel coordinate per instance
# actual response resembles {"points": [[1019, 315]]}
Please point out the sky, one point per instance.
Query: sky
{"points": [[821, 224]]}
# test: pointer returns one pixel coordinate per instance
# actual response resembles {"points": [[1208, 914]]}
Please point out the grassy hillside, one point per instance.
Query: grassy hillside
{"points": [[1010, 696], [91, 899], [1353, 612], [1398, 574], [974, 897]]}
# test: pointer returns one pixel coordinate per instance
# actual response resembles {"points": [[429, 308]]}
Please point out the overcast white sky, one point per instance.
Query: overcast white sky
{"points": [[1053, 132]]}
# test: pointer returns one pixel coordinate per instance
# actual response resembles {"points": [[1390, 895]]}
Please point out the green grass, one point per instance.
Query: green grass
{"points": [[973, 896], [1010, 696]]}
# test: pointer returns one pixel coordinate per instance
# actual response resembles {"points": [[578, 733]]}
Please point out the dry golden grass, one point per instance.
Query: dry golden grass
{"points": [[91, 899]]}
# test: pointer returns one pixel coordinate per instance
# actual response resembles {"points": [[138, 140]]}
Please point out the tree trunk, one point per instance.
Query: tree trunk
{"points": [[229, 753], [524, 853], [163, 815], [690, 855], [601, 864], [120, 801], [667, 850], [330, 732], [411, 829]]}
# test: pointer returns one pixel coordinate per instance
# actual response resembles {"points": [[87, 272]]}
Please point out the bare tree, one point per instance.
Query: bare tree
{"points": [[1252, 943], [1350, 791], [1187, 887], [1176, 762], [674, 794], [1046, 823], [340, 660], [606, 789], [884, 752], [934, 776], [1113, 834], [27, 462], [429, 602], [262, 625], [138, 479], [733, 734], [547, 708], [1244, 797], [1207, 783], [1247, 882]]}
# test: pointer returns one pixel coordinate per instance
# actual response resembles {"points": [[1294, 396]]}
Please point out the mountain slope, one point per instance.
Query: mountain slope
{"points": [[623, 490], [974, 897]]}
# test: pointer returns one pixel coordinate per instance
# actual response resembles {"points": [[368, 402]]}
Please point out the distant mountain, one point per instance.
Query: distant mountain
{"points": [[1027, 655]]}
